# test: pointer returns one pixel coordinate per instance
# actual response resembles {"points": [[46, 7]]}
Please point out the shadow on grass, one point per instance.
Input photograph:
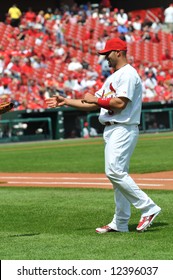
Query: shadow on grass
{"points": [[24, 234]]}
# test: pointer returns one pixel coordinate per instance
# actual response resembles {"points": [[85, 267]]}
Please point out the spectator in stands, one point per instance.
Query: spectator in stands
{"points": [[11, 36], [88, 35], [168, 14], [30, 17], [67, 57], [15, 15], [50, 81], [81, 17], [156, 26], [155, 38], [69, 83], [121, 28], [129, 37], [73, 87], [137, 23], [22, 33], [48, 92], [59, 84], [26, 67], [5, 79], [130, 26], [25, 52], [16, 68], [2, 63], [105, 34], [39, 40], [137, 35], [40, 18], [36, 62], [49, 51], [169, 76], [122, 36], [100, 44], [58, 31], [56, 14], [168, 94], [2, 50], [48, 15], [160, 88], [59, 51], [149, 82], [23, 79], [87, 82], [122, 17], [151, 69], [166, 55], [5, 92], [12, 62], [91, 73], [74, 65], [105, 4], [85, 64], [146, 36], [105, 70]]}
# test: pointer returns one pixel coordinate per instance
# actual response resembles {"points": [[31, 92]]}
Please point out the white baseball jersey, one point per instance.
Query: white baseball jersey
{"points": [[124, 82], [120, 141]]}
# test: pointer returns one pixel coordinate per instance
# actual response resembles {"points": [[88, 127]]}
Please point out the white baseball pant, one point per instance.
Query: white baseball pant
{"points": [[120, 141]]}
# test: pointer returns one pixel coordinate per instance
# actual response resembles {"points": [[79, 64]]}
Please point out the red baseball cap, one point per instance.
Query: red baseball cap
{"points": [[115, 44]]}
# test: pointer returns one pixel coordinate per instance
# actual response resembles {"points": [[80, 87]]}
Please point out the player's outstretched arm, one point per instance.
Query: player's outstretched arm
{"points": [[111, 103], [59, 101]]}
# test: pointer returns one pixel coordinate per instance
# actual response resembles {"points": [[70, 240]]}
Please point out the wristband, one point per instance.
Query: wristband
{"points": [[104, 103]]}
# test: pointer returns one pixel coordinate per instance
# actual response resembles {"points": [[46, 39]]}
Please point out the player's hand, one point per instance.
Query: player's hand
{"points": [[55, 101], [89, 98]]}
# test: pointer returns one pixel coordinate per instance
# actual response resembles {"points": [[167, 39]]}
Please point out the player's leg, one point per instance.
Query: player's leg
{"points": [[122, 212], [122, 205], [120, 145]]}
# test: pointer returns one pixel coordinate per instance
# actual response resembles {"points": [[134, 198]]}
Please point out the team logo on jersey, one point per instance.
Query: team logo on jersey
{"points": [[111, 93], [112, 88]]}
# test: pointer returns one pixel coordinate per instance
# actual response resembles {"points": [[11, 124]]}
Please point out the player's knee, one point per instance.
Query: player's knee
{"points": [[114, 175]]}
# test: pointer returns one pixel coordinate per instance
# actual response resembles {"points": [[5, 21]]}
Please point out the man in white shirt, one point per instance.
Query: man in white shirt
{"points": [[120, 101], [74, 65], [168, 20]]}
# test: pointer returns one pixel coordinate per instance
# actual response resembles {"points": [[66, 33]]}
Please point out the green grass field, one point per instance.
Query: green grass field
{"points": [[59, 223]]}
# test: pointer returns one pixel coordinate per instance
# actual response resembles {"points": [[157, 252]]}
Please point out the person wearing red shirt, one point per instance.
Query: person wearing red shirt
{"points": [[160, 88], [5, 79], [166, 55], [30, 16], [31, 31], [27, 67], [168, 94], [16, 69], [105, 4], [155, 38]]}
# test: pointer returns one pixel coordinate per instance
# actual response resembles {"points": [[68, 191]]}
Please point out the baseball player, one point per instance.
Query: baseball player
{"points": [[119, 100]]}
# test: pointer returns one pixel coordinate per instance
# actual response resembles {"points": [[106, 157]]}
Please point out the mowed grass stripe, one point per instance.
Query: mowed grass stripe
{"points": [[85, 156], [65, 143]]}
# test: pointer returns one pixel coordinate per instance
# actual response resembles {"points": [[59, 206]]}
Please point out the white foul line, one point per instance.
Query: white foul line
{"points": [[74, 183], [79, 178]]}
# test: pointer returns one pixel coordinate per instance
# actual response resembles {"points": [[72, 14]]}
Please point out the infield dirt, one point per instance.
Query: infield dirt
{"points": [[160, 180]]}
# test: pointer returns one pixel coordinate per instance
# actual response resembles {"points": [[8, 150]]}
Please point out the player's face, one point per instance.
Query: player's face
{"points": [[112, 58]]}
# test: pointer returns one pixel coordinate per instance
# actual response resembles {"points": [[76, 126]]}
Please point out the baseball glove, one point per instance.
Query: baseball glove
{"points": [[5, 107]]}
